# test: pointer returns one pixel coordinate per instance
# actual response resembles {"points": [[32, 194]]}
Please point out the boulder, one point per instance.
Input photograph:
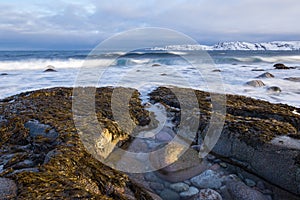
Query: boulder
{"points": [[255, 83], [175, 168], [274, 89], [207, 179], [50, 68]]}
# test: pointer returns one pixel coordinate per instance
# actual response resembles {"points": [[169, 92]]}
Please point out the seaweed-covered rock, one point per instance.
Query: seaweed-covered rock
{"points": [[282, 66], [252, 137], [41, 151]]}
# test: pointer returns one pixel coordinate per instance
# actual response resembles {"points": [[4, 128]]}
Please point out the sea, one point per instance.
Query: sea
{"points": [[22, 71]]}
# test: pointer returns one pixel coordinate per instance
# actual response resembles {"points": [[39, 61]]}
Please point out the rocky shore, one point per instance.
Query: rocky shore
{"points": [[42, 156]]}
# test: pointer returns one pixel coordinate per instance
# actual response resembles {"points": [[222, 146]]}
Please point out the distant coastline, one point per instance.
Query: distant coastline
{"points": [[238, 45]]}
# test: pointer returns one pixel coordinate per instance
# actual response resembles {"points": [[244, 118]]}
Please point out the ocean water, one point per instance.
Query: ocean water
{"points": [[24, 71]]}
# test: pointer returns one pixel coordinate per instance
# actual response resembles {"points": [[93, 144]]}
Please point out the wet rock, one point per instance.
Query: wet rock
{"points": [[37, 129], [50, 68], [257, 70], [250, 182], [294, 79], [23, 164], [255, 83], [156, 65], [169, 194], [175, 164], [156, 186], [274, 89], [51, 155], [216, 70], [165, 135], [208, 179], [192, 191], [238, 190], [266, 75], [8, 189], [179, 187], [208, 194], [222, 164], [3, 74], [282, 66]]}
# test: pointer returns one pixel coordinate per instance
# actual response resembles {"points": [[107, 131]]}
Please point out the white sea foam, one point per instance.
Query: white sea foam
{"points": [[28, 75], [41, 64]]}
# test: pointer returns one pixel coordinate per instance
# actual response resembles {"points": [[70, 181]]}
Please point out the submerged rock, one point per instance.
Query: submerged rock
{"points": [[294, 79], [266, 75]]}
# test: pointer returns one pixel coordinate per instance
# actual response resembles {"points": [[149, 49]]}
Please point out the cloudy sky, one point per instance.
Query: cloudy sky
{"points": [[82, 24]]}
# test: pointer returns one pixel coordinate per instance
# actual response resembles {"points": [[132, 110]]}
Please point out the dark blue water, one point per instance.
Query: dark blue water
{"points": [[219, 57]]}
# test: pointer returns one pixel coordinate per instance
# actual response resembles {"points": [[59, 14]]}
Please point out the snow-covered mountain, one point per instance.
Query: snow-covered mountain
{"points": [[272, 46]]}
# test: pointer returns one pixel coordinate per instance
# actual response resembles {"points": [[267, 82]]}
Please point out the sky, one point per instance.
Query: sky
{"points": [[82, 24]]}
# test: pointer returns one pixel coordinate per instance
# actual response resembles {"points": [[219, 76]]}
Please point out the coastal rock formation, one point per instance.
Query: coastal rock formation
{"points": [[42, 153], [258, 137]]}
